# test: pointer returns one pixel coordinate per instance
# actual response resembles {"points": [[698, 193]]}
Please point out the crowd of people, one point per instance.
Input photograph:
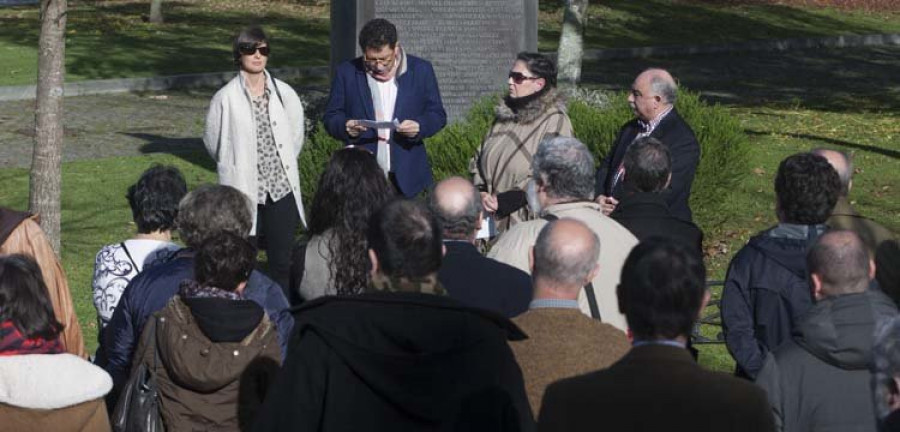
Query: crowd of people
{"points": [[388, 315]]}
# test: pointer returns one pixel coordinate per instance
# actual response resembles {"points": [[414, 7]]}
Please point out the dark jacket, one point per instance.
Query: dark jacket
{"points": [[151, 290], [674, 132], [418, 99], [766, 293], [478, 281], [397, 361], [655, 388], [819, 380], [214, 367], [647, 215]]}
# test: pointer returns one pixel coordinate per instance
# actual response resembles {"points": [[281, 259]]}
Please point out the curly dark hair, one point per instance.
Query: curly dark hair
{"points": [[23, 295], [154, 198], [377, 33], [224, 261], [351, 189], [806, 188]]}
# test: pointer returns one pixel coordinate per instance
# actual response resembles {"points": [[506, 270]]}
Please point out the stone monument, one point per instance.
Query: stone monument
{"points": [[471, 43]]}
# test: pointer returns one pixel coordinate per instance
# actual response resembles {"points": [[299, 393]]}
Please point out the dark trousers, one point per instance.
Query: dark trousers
{"points": [[276, 225]]}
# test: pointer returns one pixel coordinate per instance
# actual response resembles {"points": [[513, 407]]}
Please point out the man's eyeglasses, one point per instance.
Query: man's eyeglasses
{"points": [[251, 48], [519, 78], [379, 62]]}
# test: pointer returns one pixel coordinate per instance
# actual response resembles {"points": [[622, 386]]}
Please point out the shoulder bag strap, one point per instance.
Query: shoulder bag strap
{"points": [[128, 254], [589, 288]]}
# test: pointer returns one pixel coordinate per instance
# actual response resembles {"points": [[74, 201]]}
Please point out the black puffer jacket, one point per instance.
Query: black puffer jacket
{"points": [[766, 292], [819, 380]]}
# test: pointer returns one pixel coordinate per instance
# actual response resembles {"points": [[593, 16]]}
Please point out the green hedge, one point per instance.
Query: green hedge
{"points": [[724, 146]]}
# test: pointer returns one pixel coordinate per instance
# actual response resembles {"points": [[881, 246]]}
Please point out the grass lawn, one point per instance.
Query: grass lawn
{"points": [[110, 39]]}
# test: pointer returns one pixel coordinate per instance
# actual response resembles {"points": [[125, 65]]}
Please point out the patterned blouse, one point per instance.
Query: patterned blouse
{"points": [[271, 177]]}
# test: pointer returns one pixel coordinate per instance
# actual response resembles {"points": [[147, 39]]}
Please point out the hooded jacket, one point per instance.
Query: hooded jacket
{"points": [[52, 393], [766, 292], [819, 380], [212, 374], [398, 361]]}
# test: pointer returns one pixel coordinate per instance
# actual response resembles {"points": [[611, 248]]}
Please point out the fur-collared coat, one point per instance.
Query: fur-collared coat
{"points": [[503, 162]]}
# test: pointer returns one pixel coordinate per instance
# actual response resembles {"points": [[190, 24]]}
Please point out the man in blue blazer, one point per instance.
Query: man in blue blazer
{"points": [[386, 84]]}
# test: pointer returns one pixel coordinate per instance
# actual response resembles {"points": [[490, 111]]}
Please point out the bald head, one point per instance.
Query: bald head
{"points": [[653, 92], [457, 205], [841, 163], [839, 264], [565, 256]]}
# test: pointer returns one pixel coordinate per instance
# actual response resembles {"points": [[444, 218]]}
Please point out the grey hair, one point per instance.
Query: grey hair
{"points": [[885, 363], [648, 164], [210, 210], [565, 167], [846, 174], [553, 264], [667, 89], [457, 223]]}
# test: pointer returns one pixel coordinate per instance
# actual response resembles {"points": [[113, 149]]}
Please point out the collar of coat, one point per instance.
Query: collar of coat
{"points": [[425, 285], [50, 381], [9, 220], [551, 99]]}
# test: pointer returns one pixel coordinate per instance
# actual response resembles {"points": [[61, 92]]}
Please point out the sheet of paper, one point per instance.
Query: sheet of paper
{"points": [[488, 229], [372, 124]]}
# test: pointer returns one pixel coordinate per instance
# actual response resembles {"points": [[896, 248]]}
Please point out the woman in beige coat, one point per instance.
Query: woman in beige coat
{"points": [[254, 132], [532, 110]]}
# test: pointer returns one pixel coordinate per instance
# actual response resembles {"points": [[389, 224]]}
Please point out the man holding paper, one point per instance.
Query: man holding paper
{"points": [[388, 102]]}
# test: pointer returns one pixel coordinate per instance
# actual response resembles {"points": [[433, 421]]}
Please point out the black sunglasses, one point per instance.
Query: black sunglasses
{"points": [[250, 48], [519, 78]]}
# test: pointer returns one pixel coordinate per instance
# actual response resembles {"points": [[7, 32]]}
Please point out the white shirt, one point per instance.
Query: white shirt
{"points": [[388, 92]]}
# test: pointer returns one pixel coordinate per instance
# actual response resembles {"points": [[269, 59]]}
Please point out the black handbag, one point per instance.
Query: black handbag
{"points": [[138, 406]]}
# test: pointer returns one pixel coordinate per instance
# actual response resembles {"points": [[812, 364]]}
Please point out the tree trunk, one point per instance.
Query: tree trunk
{"points": [[571, 43], [156, 15], [46, 172]]}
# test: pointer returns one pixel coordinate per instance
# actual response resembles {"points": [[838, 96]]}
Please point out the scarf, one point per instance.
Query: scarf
{"points": [[424, 285], [13, 342], [192, 289]]}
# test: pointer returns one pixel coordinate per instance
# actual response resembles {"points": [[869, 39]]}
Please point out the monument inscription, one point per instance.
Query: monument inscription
{"points": [[471, 43]]}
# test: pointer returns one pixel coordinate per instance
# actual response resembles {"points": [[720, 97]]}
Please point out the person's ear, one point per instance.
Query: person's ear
{"points": [[816, 282], [531, 259], [443, 250], [872, 269], [240, 287], [703, 303], [592, 274], [374, 260], [668, 181], [479, 221]]}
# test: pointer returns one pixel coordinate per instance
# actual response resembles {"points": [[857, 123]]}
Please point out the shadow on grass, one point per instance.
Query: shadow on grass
{"points": [[190, 150], [113, 41], [872, 149], [628, 23], [839, 80]]}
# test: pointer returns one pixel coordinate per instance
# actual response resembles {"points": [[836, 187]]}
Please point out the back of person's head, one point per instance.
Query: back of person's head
{"points": [[24, 298], [351, 189], [457, 205], [406, 240], [252, 36], [663, 84], [154, 198], [565, 167], [806, 189], [841, 163], [838, 263], [377, 33], [212, 209], [648, 165], [565, 255], [540, 66], [223, 261], [662, 289], [886, 366]]}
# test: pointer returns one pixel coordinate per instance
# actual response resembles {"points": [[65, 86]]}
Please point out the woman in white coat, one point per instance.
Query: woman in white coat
{"points": [[254, 131]]}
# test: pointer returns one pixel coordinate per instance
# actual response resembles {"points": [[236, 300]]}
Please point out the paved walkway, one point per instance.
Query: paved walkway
{"points": [[851, 80]]}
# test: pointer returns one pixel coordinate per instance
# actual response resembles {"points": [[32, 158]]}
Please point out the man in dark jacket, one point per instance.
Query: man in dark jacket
{"points": [[657, 386], [386, 84], [766, 288], [643, 208], [402, 356], [652, 99], [208, 210], [820, 377], [466, 274]]}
